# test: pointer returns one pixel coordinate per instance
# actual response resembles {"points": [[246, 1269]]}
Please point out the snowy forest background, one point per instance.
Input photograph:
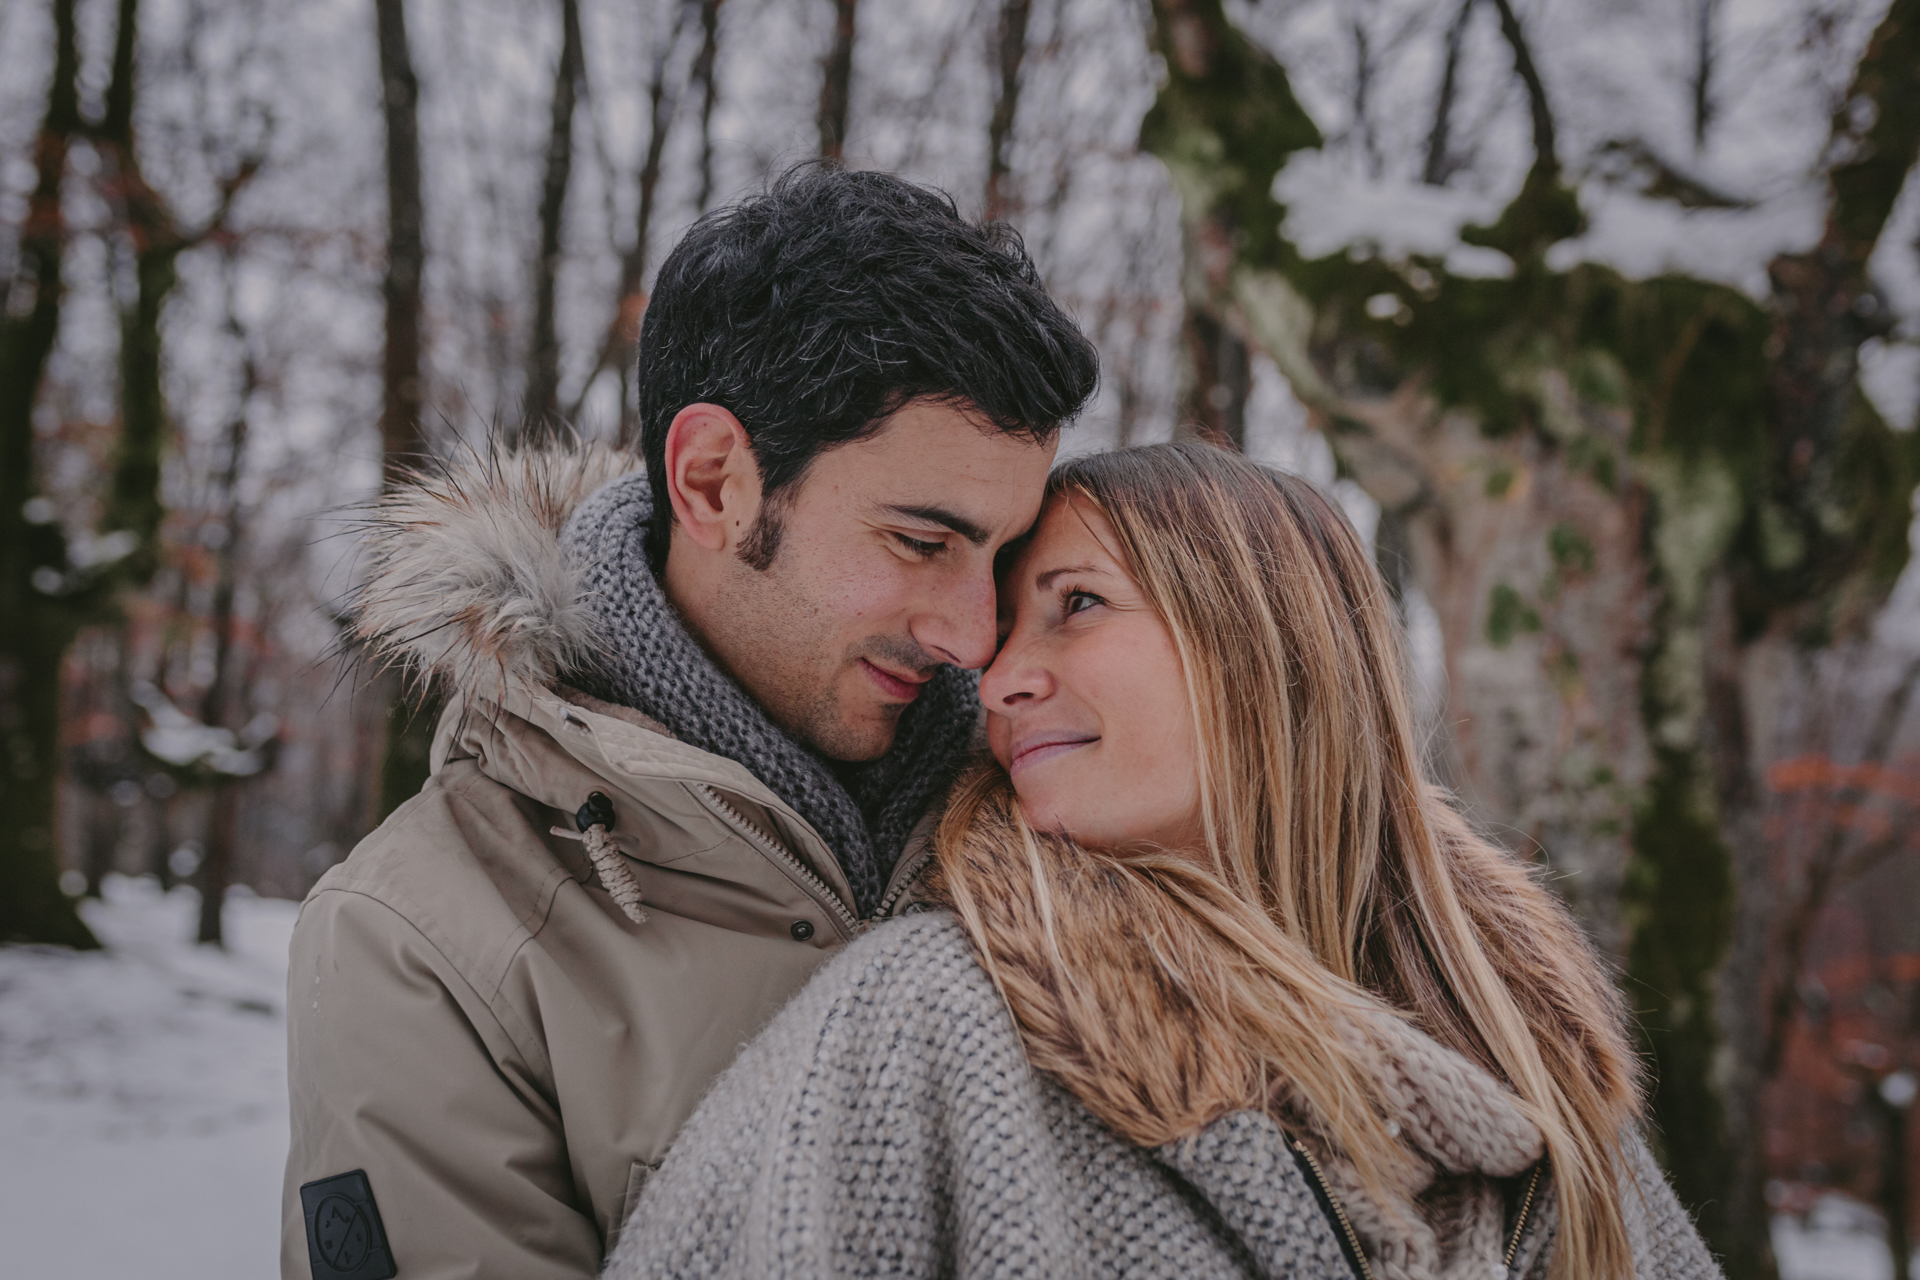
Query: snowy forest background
{"points": [[1602, 318]]}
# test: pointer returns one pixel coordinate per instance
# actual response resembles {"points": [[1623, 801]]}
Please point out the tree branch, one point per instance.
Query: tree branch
{"points": [[1545, 160], [1876, 135], [1439, 161], [1704, 13], [623, 330], [1828, 871]]}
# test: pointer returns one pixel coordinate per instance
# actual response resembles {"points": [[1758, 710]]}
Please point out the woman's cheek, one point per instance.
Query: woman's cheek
{"points": [[1000, 740]]}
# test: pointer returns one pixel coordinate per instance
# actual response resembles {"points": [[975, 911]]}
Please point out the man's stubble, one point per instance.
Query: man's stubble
{"points": [[776, 642]]}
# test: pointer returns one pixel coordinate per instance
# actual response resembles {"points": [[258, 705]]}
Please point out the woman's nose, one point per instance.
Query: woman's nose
{"points": [[1015, 676]]}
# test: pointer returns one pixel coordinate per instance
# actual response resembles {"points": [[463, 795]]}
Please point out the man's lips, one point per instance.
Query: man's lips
{"points": [[1031, 751], [906, 688]]}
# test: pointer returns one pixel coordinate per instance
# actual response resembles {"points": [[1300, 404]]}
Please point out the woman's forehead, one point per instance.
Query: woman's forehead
{"points": [[1069, 535]]}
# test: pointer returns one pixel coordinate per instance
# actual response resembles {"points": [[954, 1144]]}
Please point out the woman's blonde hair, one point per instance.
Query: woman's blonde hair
{"points": [[1337, 881]]}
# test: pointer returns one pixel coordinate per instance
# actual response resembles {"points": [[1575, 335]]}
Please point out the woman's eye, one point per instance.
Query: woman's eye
{"points": [[918, 547], [1079, 601]]}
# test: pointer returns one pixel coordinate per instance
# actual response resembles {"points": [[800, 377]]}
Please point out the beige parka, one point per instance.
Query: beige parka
{"points": [[473, 1023]]}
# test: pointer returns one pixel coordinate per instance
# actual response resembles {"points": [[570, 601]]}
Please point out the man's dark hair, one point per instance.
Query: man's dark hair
{"points": [[816, 310]]}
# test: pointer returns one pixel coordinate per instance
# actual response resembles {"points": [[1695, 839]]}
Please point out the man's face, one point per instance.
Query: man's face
{"points": [[882, 573]]}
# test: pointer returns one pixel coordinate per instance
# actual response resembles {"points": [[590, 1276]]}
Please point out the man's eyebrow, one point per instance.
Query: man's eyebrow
{"points": [[947, 520], [1046, 579]]}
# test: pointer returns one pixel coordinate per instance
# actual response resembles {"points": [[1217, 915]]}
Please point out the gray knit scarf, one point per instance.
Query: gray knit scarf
{"points": [[654, 666]]}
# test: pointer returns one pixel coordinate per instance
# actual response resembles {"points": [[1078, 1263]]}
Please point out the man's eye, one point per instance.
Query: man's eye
{"points": [[918, 547], [1080, 601]]}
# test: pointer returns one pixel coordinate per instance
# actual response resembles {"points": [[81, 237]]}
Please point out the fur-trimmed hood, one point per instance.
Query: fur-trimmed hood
{"points": [[467, 583], [513, 573]]}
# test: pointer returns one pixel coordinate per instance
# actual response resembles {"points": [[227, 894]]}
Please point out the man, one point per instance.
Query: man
{"points": [[698, 715]]}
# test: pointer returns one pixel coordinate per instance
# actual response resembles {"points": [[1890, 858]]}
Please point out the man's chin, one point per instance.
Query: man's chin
{"points": [[851, 741]]}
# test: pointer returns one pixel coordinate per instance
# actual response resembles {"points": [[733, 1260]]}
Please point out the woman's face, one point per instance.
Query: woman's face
{"points": [[1087, 706]]}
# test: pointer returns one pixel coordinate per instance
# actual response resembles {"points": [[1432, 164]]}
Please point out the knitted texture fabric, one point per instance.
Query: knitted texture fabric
{"points": [[1468, 1137], [887, 1123], [652, 664]]}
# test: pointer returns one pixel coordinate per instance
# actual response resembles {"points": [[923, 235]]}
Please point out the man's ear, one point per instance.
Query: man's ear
{"points": [[712, 478]]}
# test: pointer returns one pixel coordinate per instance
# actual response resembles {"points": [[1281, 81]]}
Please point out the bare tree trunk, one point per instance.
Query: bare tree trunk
{"points": [[133, 503], [113, 810], [836, 84], [1011, 45], [404, 393], [35, 626], [51, 598], [225, 700], [703, 75], [1218, 380], [1893, 1182], [1604, 563], [409, 730], [541, 409]]}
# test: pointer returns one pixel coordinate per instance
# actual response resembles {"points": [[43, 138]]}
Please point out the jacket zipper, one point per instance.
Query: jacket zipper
{"points": [[1353, 1240], [1339, 1213], [903, 877], [779, 853], [1526, 1206]]}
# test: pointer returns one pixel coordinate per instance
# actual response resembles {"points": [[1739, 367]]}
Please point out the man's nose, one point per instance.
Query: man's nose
{"points": [[959, 622]]}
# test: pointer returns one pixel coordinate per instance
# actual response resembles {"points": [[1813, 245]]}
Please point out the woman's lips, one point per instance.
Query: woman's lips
{"points": [[906, 690], [1036, 750]]}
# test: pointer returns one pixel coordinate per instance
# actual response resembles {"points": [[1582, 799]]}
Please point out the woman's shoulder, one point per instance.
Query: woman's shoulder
{"points": [[907, 993], [921, 960]]}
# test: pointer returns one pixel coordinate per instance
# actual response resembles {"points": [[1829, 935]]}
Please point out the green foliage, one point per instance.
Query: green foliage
{"points": [[1225, 128], [1571, 551], [1591, 454], [1545, 211], [1508, 616]]}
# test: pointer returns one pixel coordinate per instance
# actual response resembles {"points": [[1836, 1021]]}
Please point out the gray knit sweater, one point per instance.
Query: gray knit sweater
{"points": [[887, 1123]]}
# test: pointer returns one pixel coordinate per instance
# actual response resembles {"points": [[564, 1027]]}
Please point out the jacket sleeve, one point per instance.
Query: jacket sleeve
{"points": [[398, 1068]]}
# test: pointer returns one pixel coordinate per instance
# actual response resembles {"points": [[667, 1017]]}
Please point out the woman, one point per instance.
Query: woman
{"points": [[1275, 1009]]}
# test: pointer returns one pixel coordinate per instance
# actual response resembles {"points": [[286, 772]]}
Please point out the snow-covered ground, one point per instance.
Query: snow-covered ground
{"points": [[1840, 1239], [143, 1107], [143, 1111]]}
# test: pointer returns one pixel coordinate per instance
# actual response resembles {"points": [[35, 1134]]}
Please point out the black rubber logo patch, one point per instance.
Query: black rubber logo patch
{"points": [[345, 1240]]}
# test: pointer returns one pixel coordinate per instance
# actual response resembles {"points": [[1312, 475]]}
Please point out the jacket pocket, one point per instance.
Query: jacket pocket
{"points": [[636, 1183]]}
